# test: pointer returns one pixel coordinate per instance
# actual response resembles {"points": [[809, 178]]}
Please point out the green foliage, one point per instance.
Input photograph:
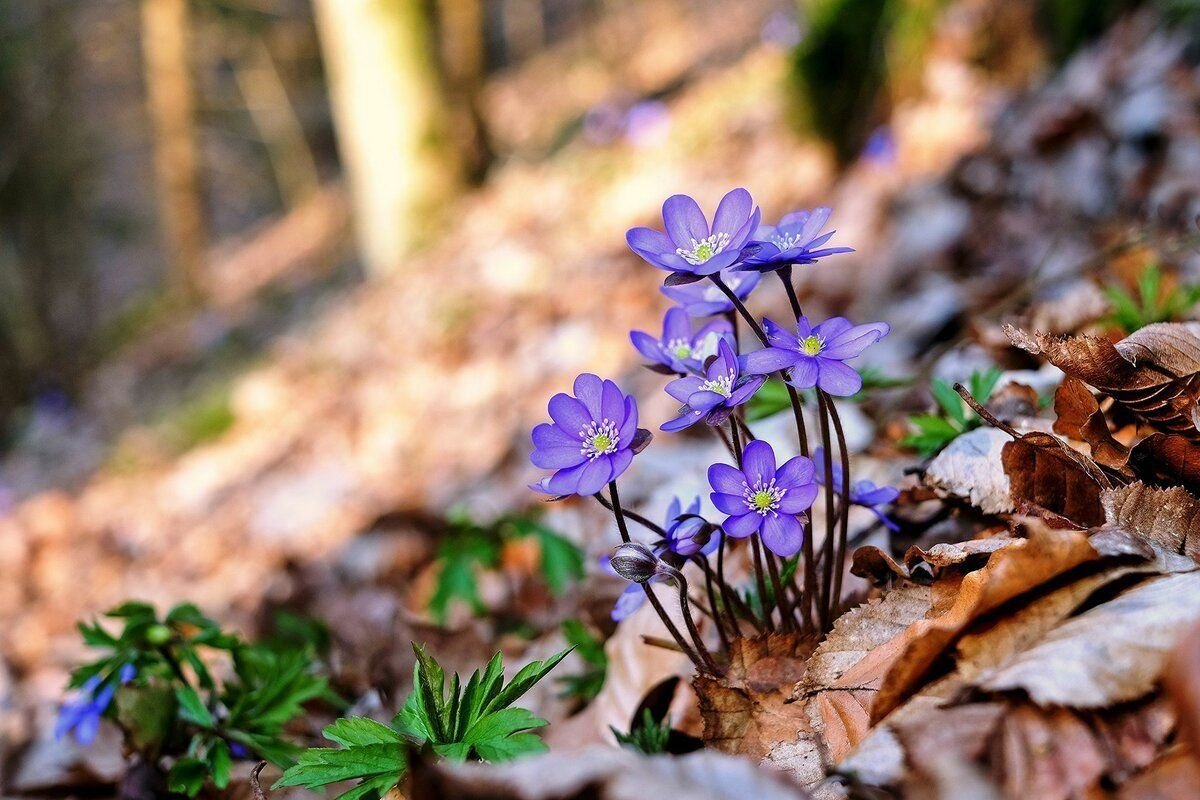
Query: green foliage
{"points": [[1152, 304], [750, 594], [175, 699], [470, 548], [649, 736], [456, 722], [953, 417], [587, 684]]}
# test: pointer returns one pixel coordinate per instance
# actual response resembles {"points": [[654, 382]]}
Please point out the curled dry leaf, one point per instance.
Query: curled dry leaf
{"points": [[1010, 573], [1080, 417], [1167, 518], [1167, 459], [1050, 479], [1111, 653], [1153, 372], [970, 467], [603, 772]]}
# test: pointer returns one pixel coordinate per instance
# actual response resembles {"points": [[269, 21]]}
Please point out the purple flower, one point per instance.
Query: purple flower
{"points": [[679, 349], [690, 245], [687, 533], [815, 356], [862, 492], [592, 440], [713, 396], [762, 499], [81, 715], [705, 299], [797, 239]]}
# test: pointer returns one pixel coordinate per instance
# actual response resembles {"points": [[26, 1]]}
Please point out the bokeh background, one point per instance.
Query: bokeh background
{"points": [[282, 283]]}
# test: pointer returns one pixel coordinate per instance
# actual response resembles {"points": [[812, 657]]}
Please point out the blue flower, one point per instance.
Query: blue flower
{"points": [[705, 299], [591, 441], [81, 715], [797, 239], [713, 396], [760, 498], [816, 355], [679, 350], [862, 493], [690, 245]]}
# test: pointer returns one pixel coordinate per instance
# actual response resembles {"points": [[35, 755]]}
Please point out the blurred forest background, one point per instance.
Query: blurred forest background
{"points": [[283, 281]]}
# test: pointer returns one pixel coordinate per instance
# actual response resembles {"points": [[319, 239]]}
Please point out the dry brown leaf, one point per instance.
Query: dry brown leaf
{"points": [[1111, 653], [1009, 573], [603, 772], [1049, 478], [1153, 372], [970, 467], [746, 711], [1182, 681], [1079, 417], [1167, 459], [877, 566], [1049, 755], [1175, 776], [1169, 518], [941, 748]]}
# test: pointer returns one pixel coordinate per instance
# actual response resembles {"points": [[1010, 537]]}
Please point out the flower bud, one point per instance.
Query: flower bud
{"points": [[634, 561]]}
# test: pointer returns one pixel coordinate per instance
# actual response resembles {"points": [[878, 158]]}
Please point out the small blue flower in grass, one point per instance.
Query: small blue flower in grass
{"points": [[591, 441], [679, 350], [762, 499], [862, 492], [705, 299], [81, 715], [713, 396], [797, 239], [815, 356], [690, 245]]}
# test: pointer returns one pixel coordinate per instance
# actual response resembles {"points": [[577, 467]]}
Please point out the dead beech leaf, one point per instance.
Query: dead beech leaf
{"points": [[941, 749], [1009, 573], [1109, 654], [1182, 681], [1169, 518], [1079, 417], [973, 552], [877, 566], [1049, 478], [603, 772], [1152, 372], [970, 467], [1175, 776], [1167, 459], [1050, 755], [745, 712]]}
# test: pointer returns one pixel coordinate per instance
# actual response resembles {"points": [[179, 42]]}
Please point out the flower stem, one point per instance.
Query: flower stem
{"points": [[693, 631], [786, 618], [741, 308], [718, 618], [617, 512], [843, 509], [633, 515], [785, 275], [761, 580]]}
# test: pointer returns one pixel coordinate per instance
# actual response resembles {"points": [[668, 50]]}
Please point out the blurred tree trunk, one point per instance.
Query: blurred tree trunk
{"points": [[170, 93], [464, 58], [390, 120]]}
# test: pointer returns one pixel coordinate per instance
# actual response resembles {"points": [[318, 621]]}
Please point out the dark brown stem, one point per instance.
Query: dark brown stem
{"points": [[825, 606], [741, 308], [693, 631], [786, 618], [638, 518], [735, 434], [760, 579], [844, 509], [710, 588], [617, 512], [785, 275], [674, 631]]}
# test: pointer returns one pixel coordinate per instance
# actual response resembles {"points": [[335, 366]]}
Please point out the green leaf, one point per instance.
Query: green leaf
{"points": [[410, 722], [982, 384], [356, 731], [771, 399], [524, 680], [504, 722], [220, 762], [192, 708], [429, 682], [511, 747], [949, 400], [455, 752], [187, 776], [321, 766], [562, 562], [460, 555]]}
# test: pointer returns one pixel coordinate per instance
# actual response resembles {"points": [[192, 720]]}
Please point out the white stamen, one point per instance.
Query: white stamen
{"points": [[722, 385], [704, 249], [762, 498], [786, 242], [598, 439]]}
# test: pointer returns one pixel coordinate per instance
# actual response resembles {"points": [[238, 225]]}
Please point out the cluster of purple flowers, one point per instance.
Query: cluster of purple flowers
{"points": [[714, 266]]}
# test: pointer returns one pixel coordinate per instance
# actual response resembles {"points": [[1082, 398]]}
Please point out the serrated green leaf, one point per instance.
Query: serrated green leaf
{"points": [[504, 722], [455, 752], [949, 400], [357, 731], [220, 762], [982, 384], [410, 721], [510, 747], [429, 681], [524, 680], [187, 776], [321, 766]]}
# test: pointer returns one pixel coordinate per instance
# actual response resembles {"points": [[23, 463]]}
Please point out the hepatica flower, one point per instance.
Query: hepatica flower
{"points": [[705, 299], [591, 441], [862, 492], [712, 396], [762, 499], [797, 239], [816, 356], [679, 350], [81, 715], [690, 245]]}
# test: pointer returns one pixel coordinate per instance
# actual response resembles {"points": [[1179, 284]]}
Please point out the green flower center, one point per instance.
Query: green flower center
{"points": [[680, 348], [598, 439], [704, 249], [722, 385], [812, 345]]}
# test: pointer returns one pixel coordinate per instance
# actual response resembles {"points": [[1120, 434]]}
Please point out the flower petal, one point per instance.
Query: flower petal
{"points": [[705, 401], [612, 403], [742, 526], [683, 388], [769, 359], [684, 220], [595, 476], [647, 345], [649, 242], [782, 534], [778, 335], [589, 388], [832, 328], [804, 373], [798, 499], [837, 378], [746, 390], [852, 341], [629, 426], [676, 325], [633, 598], [758, 461], [620, 462], [686, 419], [726, 479], [570, 414], [732, 505], [794, 472], [565, 481], [732, 212]]}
